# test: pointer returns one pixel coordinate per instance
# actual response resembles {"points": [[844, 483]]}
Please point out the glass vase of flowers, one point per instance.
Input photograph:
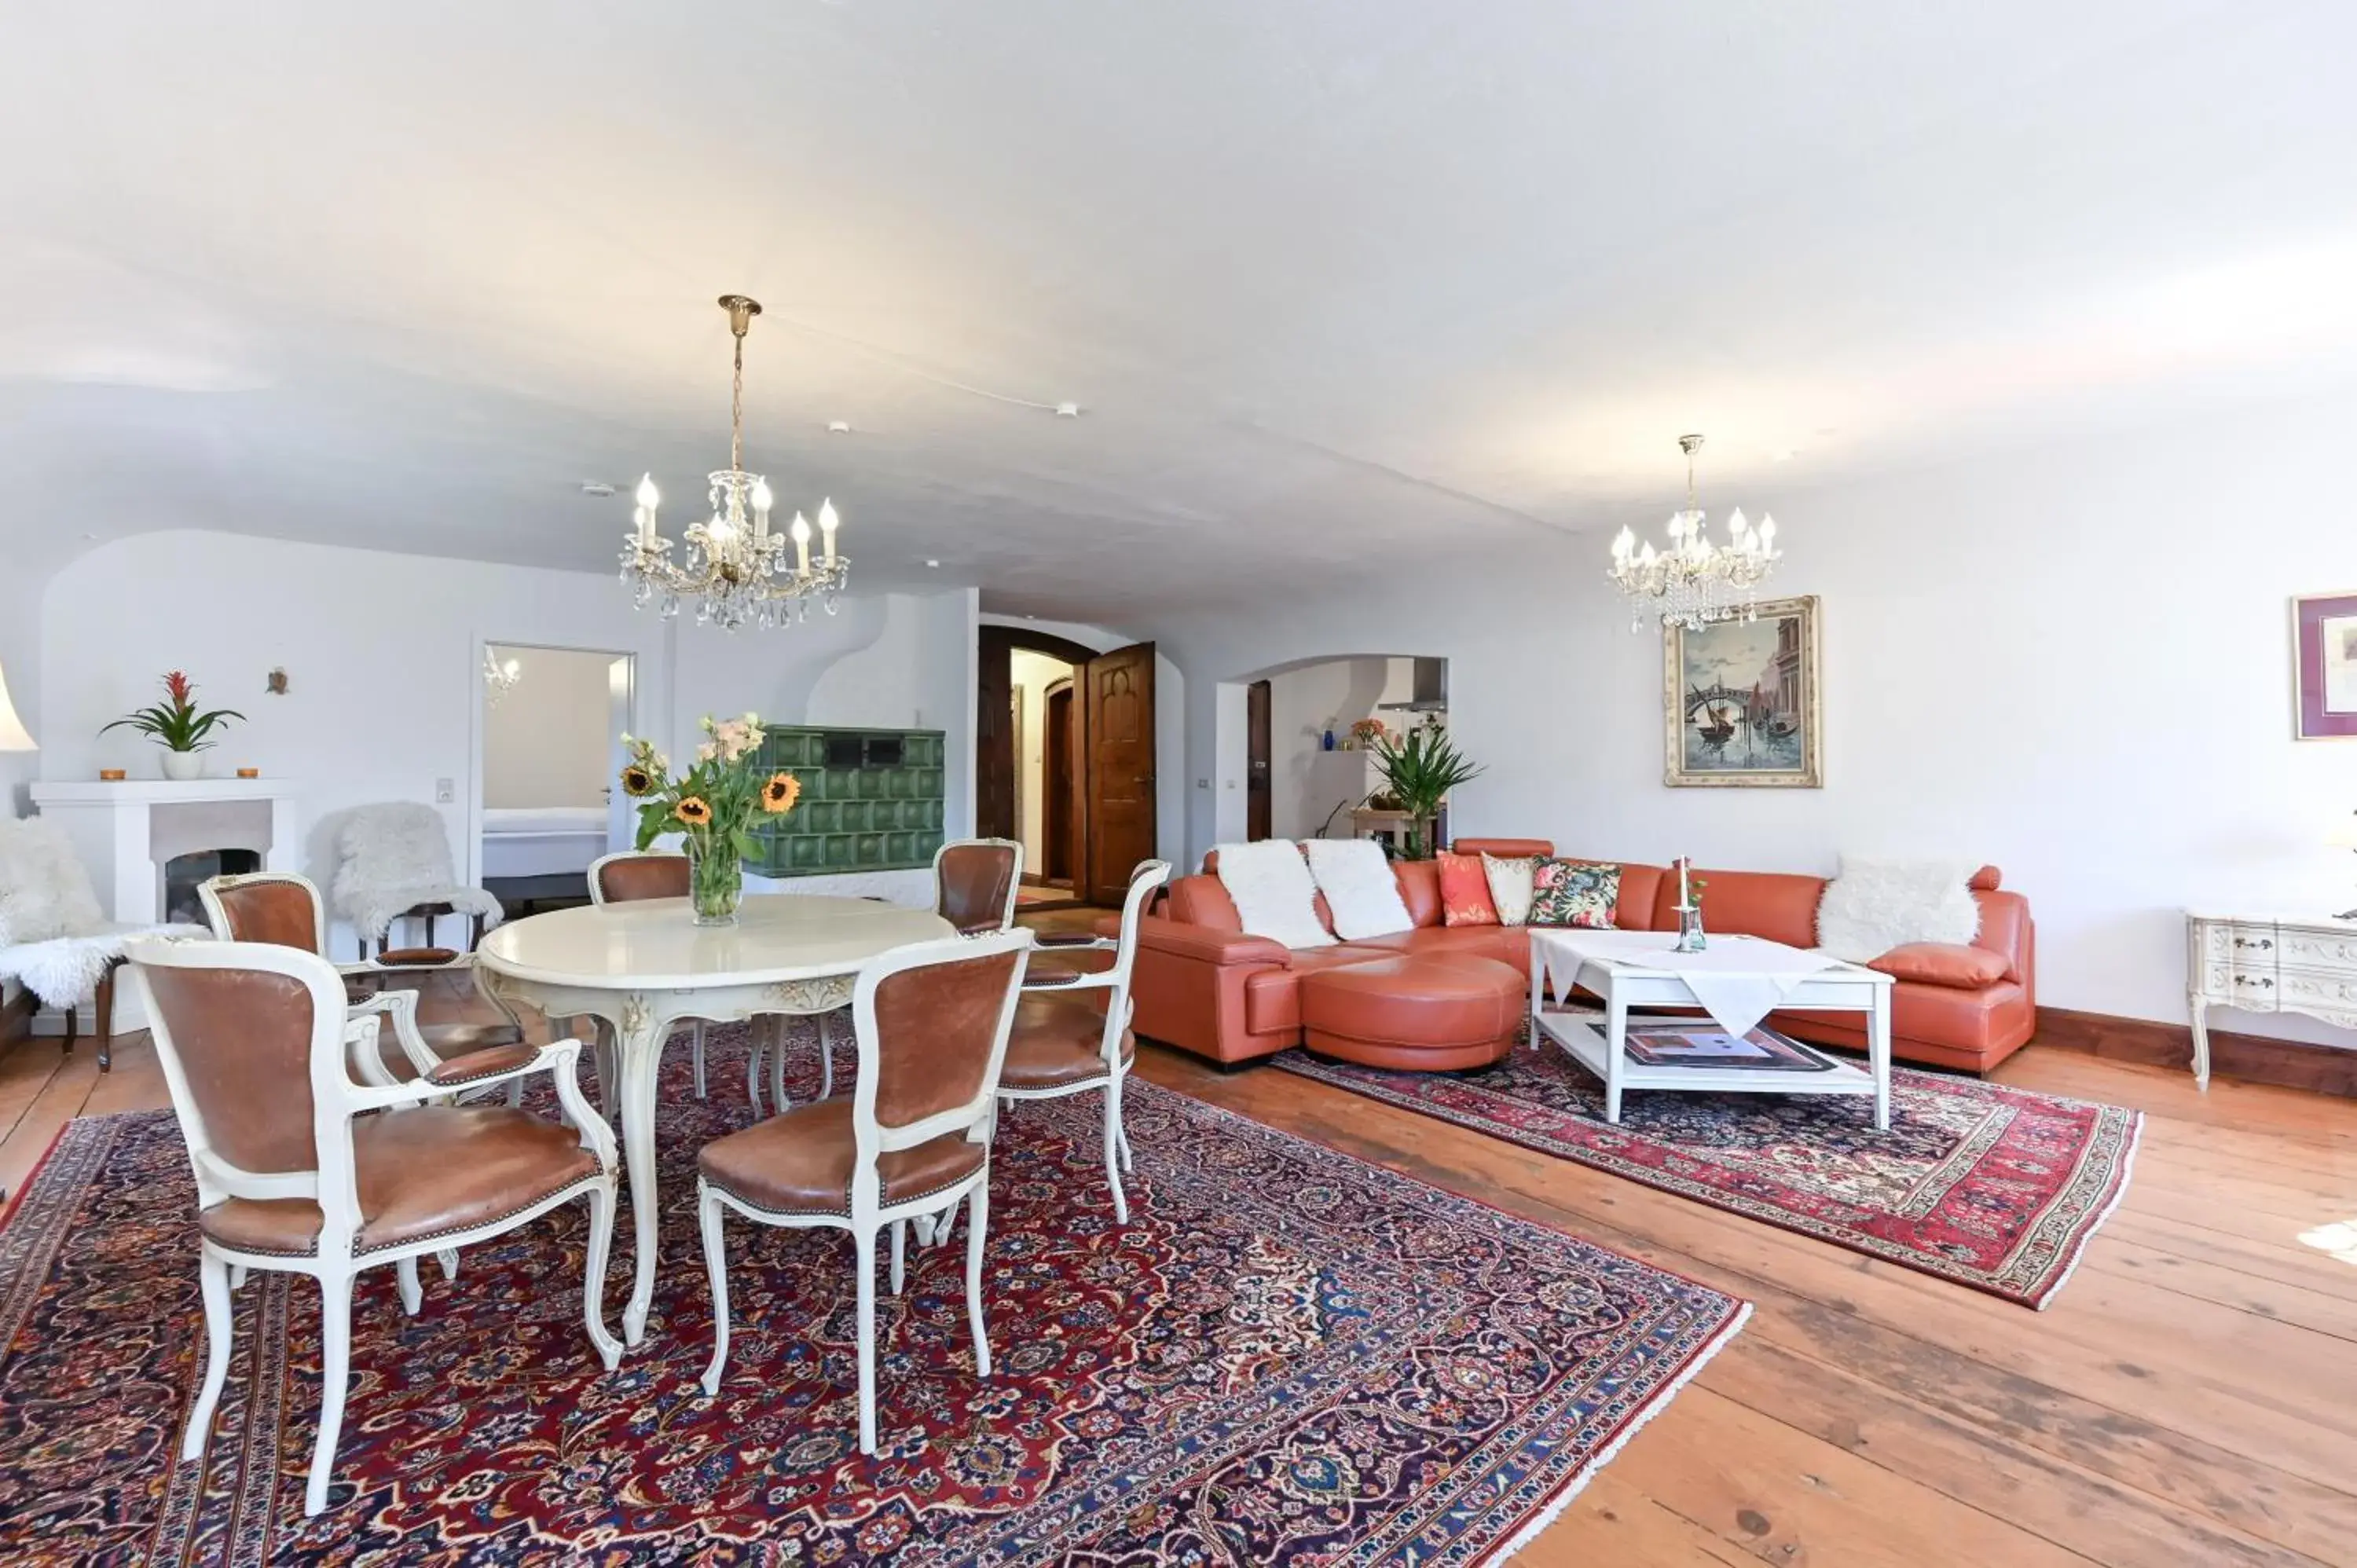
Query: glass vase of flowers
{"points": [[182, 729], [712, 807]]}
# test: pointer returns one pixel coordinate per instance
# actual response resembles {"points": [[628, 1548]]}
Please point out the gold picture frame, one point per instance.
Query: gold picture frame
{"points": [[1741, 706]]}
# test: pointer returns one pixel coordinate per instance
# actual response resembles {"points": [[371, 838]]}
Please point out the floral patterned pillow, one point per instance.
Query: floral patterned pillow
{"points": [[1465, 891], [1575, 893]]}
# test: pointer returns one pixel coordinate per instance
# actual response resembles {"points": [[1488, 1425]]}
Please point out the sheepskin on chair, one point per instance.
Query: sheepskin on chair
{"points": [[396, 857], [54, 938]]}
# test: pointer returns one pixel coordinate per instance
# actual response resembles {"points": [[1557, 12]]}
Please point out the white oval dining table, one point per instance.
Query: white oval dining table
{"points": [[645, 965]]}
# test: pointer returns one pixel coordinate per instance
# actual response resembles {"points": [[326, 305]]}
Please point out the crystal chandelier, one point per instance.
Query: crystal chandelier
{"points": [[734, 566], [1694, 582], [499, 675]]}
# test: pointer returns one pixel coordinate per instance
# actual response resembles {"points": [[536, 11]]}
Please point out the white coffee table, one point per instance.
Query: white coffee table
{"points": [[1645, 980]]}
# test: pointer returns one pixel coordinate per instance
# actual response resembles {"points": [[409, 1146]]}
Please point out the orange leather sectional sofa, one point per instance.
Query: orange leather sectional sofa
{"points": [[1205, 987]]}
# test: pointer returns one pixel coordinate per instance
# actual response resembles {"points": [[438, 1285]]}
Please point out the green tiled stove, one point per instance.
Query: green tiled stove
{"points": [[871, 801]]}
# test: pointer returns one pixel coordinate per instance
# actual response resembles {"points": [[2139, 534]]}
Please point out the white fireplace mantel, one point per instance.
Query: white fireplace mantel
{"points": [[124, 830]]}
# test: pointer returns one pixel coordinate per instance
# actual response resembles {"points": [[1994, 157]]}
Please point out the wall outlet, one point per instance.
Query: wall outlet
{"points": [[445, 792], [1202, 783]]}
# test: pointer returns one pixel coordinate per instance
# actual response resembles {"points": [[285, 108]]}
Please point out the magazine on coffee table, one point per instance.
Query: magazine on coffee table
{"points": [[1700, 1043]]}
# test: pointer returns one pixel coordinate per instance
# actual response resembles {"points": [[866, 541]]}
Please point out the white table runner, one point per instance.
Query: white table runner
{"points": [[1736, 980]]}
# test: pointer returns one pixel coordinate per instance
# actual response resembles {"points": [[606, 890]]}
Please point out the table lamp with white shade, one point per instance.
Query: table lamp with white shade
{"points": [[2344, 836], [14, 736]]}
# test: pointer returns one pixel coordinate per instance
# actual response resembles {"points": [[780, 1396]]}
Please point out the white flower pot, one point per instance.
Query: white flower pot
{"points": [[183, 766]]}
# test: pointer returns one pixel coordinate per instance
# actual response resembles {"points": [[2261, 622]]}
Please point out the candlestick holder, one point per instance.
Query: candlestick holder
{"points": [[1691, 937]]}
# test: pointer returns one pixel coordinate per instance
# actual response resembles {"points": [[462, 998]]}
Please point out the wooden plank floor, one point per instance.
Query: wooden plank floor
{"points": [[2189, 1398]]}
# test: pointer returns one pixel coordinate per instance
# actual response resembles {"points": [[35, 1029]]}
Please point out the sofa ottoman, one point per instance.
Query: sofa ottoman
{"points": [[1436, 1013]]}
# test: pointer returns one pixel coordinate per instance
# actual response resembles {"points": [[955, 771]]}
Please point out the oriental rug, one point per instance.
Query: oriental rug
{"points": [[1993, 1187], [1287, 1356]]}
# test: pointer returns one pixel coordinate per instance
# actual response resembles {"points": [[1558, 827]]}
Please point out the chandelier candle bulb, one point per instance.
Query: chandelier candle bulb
{"points": [[801, 543], [826, 525]]}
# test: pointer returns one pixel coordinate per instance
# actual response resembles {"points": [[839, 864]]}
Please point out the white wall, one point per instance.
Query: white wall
{"points": [[544, 738], [2073, 662], [384, 655]]}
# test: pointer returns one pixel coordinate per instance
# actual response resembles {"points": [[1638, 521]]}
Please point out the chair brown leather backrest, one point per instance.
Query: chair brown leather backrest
{"points": [[280, 913], [936, 1026], [627, 878], [973, 882], [243, 1040]]}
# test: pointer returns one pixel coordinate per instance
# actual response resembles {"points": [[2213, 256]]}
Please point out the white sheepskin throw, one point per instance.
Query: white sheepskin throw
{"points": [[1876, 905], [1356, 877], [1273, 892], [396, 857], [44, 891], [54, 940], [64, 971]]}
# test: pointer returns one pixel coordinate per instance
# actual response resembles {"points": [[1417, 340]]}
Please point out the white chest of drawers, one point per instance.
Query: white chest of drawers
{"points": [[2268, 963]]}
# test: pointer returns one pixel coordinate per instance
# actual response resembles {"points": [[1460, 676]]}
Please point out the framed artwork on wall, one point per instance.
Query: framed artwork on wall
{"points": [[2324, 667], [1739, 705]]}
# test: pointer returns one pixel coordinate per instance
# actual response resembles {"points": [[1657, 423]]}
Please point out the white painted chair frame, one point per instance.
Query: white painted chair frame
{"points": [[1148, 876], [610, 1071], [870, 1215], [336, 1031]]}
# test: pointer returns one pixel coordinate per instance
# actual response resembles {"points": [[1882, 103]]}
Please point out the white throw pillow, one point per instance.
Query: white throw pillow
{"points": [[1274, 895], [1361, 890], [1876, 905], [1509, 887]]}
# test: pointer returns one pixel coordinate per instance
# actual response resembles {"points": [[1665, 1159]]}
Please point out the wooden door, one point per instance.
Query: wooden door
{"points": [[1059, 781], [1258, 799], [994, 740], [1119, 692]]}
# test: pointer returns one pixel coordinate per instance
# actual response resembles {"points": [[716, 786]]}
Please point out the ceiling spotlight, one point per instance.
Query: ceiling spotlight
{"points": [[838, 427], [596, 488], [932, 563], [1067, 411]]}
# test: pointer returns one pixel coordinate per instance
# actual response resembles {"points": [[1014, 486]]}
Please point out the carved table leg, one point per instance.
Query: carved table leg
{"points": [[642, 1039], [2199, 1008]]}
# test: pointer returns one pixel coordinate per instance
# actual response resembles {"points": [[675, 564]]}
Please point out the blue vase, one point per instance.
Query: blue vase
{"points": [[1328, 745]]}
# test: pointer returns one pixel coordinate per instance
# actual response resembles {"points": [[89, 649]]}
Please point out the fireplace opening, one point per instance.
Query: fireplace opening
{"points": [[184, 874]]}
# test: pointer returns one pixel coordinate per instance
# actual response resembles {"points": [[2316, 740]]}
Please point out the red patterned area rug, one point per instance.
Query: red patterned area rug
{"points": [[1993, 1187], [1288, 1356]]}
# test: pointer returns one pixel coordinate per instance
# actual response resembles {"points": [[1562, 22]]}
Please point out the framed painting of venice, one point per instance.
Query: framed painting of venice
{"points": [[2324, 666], [1740, 703]]}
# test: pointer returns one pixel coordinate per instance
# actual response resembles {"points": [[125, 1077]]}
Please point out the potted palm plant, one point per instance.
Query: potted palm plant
{"points": [[1419, 770], [179, 726]]}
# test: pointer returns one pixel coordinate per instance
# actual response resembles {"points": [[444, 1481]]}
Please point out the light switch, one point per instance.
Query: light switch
{"points": [[445, 792]]}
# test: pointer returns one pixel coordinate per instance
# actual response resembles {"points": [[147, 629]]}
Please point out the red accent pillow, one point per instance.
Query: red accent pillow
{"points": [[1950, 964], [1465, 891]]}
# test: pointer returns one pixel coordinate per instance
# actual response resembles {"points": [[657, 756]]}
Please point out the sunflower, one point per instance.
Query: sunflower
{"points": [[693, 810], [779, 792], [636, 781]]}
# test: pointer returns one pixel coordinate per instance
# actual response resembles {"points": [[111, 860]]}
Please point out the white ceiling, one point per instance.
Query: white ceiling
{"points": [[1332, 281]]}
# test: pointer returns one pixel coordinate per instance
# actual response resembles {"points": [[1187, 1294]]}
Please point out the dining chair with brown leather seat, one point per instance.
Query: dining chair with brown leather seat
{"points": [[976, 882], [293, 1173], [912, 1139], [1071, 1033], [283, 908]]}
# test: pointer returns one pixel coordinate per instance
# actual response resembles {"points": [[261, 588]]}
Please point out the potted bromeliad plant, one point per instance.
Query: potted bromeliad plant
{"points": [[179, 726], [1419, 771], [712, 807]]}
